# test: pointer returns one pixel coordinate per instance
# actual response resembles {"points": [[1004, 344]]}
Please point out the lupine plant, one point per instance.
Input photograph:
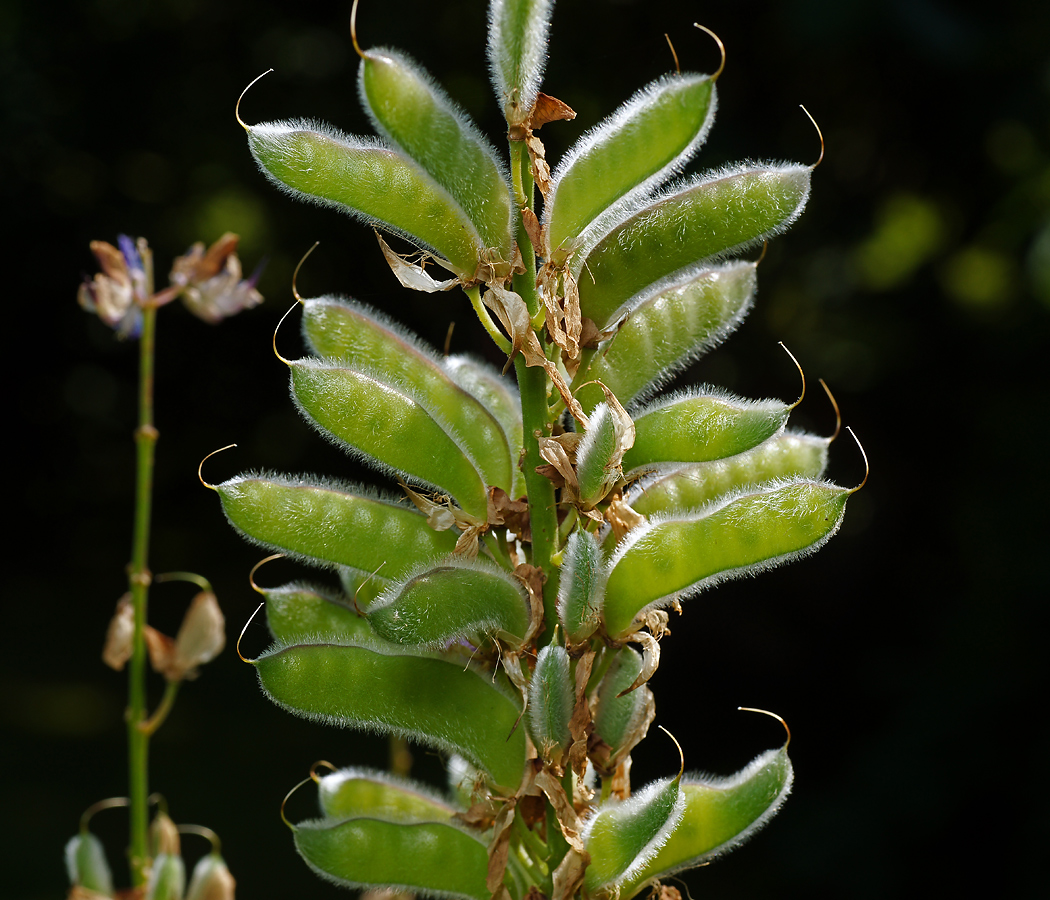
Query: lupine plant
{"points": [[550, 523]]}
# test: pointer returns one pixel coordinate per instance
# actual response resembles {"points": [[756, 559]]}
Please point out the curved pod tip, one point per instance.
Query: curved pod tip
{"points": [[721, 49], [237, 106], [772, 715], [200, 476], [240, 637]]}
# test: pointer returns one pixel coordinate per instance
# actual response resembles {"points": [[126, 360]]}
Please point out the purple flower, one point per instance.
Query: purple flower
{"points": [[116, 294]]}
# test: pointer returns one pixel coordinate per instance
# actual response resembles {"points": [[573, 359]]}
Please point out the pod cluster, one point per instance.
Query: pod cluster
{"points": [[449, 626]]}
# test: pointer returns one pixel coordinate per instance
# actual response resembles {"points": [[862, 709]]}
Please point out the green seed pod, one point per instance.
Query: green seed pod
{"points": [[622, 721], [674, 488], [597, 457], [744, 533], [167, 879], [374, 687], [330, 524], [87, 865], [211, 880], [371, 182], [551, 701], [720, 814], [386, 423], [296, 612], [499, 397], [647, 140], [517, 51], [622, 837], [433, 859], [580, 586], [364, 339], [458, 599], [417, 117], [666, 332], [355, 792], [700, 425], [682, 228]]}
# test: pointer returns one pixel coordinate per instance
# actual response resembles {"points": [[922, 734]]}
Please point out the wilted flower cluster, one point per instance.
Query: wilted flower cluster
{"points": [[208, 281]]}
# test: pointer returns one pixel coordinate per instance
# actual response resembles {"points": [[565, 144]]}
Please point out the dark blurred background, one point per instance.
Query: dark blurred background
{"points": [[905, 655]]}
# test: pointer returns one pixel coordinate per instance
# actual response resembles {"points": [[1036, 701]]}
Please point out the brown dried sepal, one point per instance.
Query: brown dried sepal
{"points": [[117, 649], [532, 578], [499, 848], [514, 514], [549, 109], [622, 518]]}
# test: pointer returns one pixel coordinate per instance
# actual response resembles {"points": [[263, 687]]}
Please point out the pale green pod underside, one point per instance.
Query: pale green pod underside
{"points": [[500, 397], [685, 226], [354, 792], [87, 865], [666, 332], [389, 425], [210, 876], [416, 115], [622, 837], [700, 425], [580, 586], [551, 700], [167, 880], [617, 718], [643, 143], [594, 454], [428, 699], [517, 52], [296, 612], [432, 859], [329, 525], [452, 600], [360, 176], [742, 534], [787, 455], [720, 814], [347, 332]]}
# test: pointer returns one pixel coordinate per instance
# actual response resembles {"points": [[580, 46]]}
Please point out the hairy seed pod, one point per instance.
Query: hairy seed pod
{"points": [[720, 814], [681, 487], [622, 721], [167, 880], [211, 880], [328, 523], [683, 228], [380, 688], [409, 109], [370, 181], [618, 160], [551, 700], [458, 599], [745, 533], [351, 333], [700, 425], [517, 51], [296, 612], [385, 423], [580, 586], [667, 331], [426, 858], [355, 792], [87, 865], [623, 836]]}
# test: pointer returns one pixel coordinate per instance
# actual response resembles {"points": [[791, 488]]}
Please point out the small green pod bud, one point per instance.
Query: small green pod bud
{"points": [[386, 423], [369, 181], [682, 228], [87, 865], [720, 814], [667, 331], [431, 859], [682, 487], [598, 457], [643, 143], [551, 701], [517, 52], [211, 880], [379, 688], [580, 586], [701, 425], [745, 533], [167, 879], [459, 599], [356, 792], [622, 721], [331, 524], [622, 837], [344, 331], [415, 114], [296, 612]]}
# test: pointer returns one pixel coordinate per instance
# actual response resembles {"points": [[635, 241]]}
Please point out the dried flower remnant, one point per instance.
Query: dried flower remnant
{"points": [[209, 281], [201, 638], [116, 294]]}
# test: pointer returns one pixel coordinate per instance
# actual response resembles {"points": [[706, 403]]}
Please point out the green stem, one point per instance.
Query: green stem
{"points": [[139, 578], [474, 293]]}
